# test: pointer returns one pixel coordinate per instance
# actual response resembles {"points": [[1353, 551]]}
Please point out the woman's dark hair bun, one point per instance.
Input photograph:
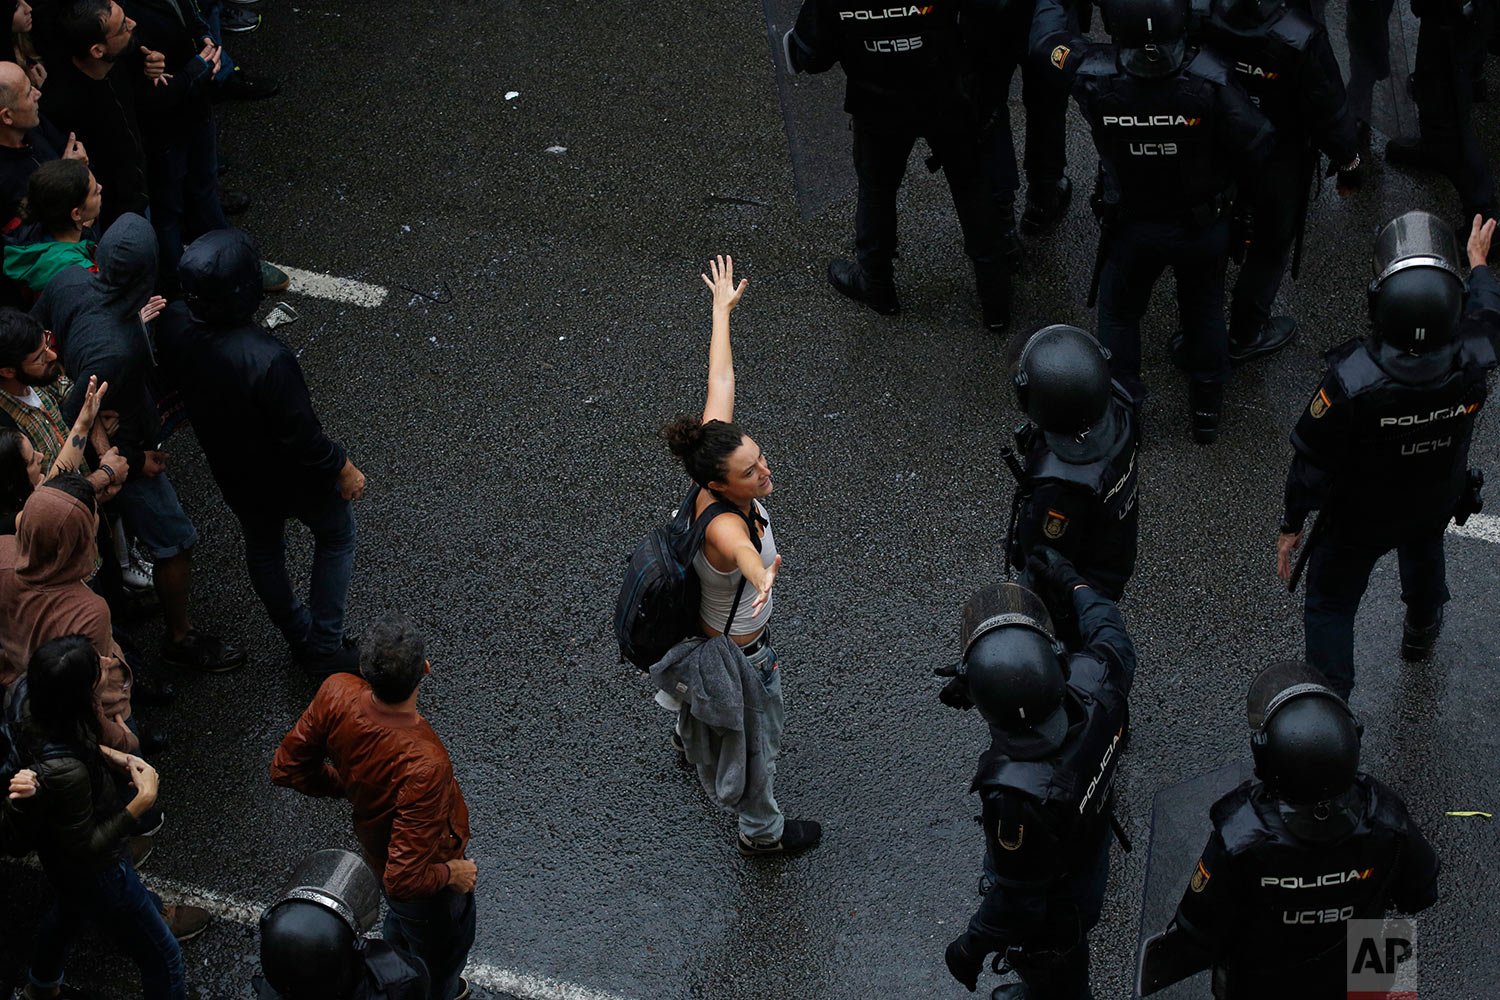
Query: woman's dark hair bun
{"points": [[683, 435]]}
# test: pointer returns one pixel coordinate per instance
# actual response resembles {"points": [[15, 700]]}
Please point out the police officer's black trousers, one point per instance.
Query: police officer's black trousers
{"points": [[1367, 27], [1448, 56], [880, 158], [1138, 253], [1338, 571], [1274, 201], [1046, 107], [1052, 955]]}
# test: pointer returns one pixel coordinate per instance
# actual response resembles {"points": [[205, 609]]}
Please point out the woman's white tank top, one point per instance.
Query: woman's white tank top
{"points": [[717, 589]]}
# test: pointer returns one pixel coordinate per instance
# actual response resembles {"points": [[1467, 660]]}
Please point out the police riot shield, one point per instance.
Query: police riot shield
{"points": [[1416, 239], [999, 605], [1179, 828], [817, 129]]}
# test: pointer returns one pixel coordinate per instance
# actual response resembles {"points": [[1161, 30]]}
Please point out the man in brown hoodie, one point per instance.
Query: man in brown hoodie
{"points": [[43, 595]]}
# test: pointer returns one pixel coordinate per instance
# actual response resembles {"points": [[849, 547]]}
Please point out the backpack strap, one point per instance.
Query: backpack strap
{"points": [[700, 531]]}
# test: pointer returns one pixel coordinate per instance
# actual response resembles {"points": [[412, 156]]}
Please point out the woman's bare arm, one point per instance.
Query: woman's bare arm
{"points": [[720, 404]]}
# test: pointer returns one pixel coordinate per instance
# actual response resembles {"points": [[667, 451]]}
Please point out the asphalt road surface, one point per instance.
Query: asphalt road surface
{"points": [[544, 316]]}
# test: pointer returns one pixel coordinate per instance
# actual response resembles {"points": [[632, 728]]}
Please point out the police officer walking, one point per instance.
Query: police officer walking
{"points": [[1076, 490], [1294, 855], [1382, 448], [1283, 59], [998, 33], [1172, 130], [905, 81], [1057, 722], [1451, 39]]}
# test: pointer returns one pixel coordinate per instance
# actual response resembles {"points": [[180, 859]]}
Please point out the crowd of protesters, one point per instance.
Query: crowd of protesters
{"points": [[127, 308]]}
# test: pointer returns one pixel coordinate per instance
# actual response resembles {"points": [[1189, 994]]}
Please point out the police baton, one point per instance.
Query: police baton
{"points": [[1312, 540], [1302, 204]]}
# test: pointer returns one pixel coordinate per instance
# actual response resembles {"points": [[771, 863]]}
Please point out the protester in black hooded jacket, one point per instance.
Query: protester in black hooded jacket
{"points": [[100, 327], [250, 406]]}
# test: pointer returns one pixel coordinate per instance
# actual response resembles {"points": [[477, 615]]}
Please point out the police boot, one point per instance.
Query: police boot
{"points": [[993, 283], [1411, 153], [1048, 975], [1274, 334], [1009, 242], [1417, 638], [1205, 402], [964, 961], [851, 280], [1045, 205]]}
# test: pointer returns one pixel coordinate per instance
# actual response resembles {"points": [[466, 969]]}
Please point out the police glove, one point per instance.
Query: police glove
{"points": [[1055, 574], [963, 965], [955, 694]]}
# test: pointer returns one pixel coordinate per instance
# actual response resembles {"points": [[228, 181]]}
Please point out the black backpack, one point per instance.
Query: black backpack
{"points": [[658, 603]]}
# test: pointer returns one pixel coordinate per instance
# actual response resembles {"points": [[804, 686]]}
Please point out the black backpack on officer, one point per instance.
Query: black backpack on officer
{"points": [[658, 603]]}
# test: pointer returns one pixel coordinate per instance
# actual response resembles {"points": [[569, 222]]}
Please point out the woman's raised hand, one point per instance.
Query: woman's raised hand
{"points": [[726, 295]]}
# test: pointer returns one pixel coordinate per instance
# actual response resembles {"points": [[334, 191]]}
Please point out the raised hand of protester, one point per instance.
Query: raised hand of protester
{"points": [[726, 295], [1480, 235], [153, 308], [23, 784], [156, 67], [73, 149]]}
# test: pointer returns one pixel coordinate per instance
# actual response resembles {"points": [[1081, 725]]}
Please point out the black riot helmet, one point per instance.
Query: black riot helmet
{"points": [[310, 938], [1148, 34], [1417, 292], [1014, 668], [1062, 381], [307, 952], [1305, 739]]}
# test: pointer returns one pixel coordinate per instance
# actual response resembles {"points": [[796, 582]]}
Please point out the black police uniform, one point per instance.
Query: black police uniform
{"points": [[1047, 822], [1384, 454], [1271, 906], [1286, 65], [904, 67], [997, 43], [386, 974], [1451, 39], [1169, 149], [1085, 510]]}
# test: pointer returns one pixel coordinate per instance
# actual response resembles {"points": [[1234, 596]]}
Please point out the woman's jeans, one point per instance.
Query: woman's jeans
{"points": [[760, 817], [119, 904]]}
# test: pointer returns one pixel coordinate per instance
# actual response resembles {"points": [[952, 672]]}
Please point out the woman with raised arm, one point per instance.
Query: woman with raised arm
{"points": [[738, 563]]}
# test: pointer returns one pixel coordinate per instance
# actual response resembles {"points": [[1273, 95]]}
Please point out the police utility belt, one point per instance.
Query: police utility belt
{"points": [[1110, 211]]}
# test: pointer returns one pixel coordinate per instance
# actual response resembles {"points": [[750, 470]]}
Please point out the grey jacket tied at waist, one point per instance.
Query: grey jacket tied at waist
{"points": [[722, 717]]}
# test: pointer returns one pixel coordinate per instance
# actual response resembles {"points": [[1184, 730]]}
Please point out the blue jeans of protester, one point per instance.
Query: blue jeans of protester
{"points": [[116, 900], [184, 174], [760, 817], [437, 929], [316, 627]]}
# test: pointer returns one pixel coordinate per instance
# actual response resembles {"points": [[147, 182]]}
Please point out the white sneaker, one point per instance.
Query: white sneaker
{"points": [[140, 574]]}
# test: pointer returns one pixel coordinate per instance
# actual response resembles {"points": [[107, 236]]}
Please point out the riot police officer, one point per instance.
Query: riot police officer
{"points": [[1076, 491], [1172, 129], [904, 67], [1057, 724], [1451, 38], [1308, 845], [312, 943], [1283, 59], [1382, 448], [997, 38]]}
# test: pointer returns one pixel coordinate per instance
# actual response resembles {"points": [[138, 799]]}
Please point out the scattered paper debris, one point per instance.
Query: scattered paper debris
{"points": [[556, 150], [511, 95], [281, 314]]}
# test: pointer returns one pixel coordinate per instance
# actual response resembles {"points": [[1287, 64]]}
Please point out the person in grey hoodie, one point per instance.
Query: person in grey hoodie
{"points": [[100, 323]]}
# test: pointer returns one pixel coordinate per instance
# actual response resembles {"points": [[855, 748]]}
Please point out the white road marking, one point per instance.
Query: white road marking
{"points": [[326, 286], [240, 911], [1485, 527]]}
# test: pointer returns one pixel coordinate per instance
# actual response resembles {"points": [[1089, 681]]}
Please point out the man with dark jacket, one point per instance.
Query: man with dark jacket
{"points": [[97, 321], [26, 142], [363, 739], [246, 397], [91, 96]]}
